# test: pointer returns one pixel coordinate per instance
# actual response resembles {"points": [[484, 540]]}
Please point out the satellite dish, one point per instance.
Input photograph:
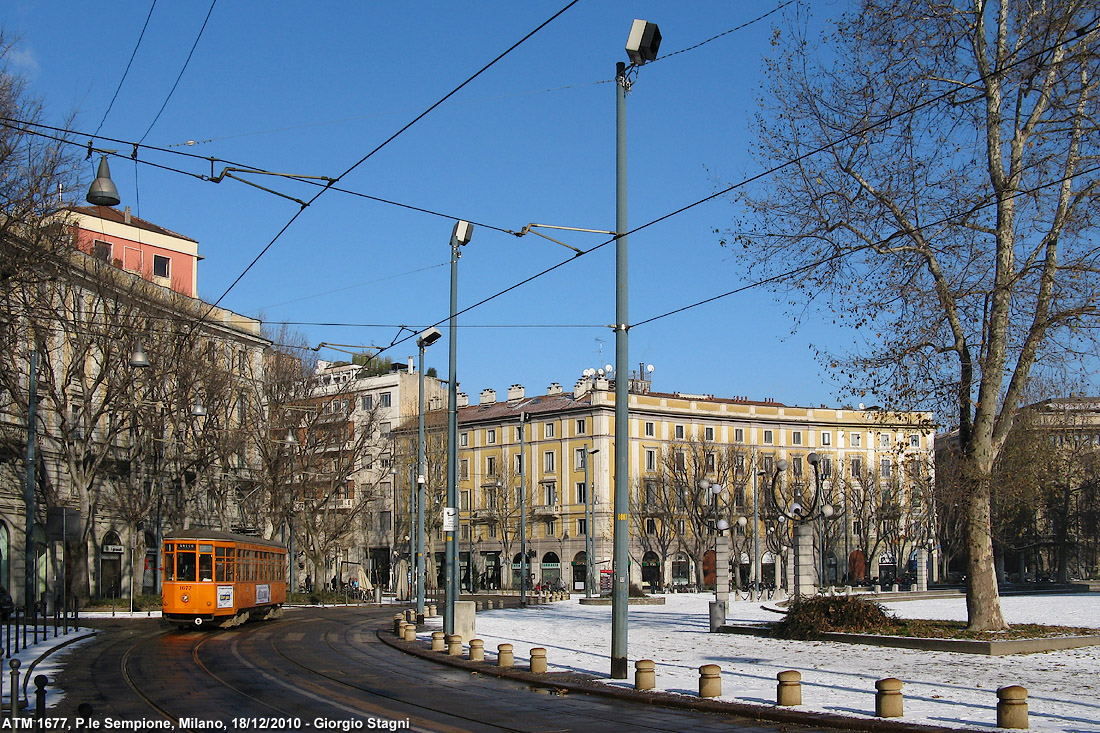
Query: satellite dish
{"points": [[600, 372], [608, 368], [861, 405], [649, 368]]}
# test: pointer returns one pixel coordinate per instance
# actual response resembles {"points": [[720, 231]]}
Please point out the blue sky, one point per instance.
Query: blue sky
{"points": [[311, 89]]}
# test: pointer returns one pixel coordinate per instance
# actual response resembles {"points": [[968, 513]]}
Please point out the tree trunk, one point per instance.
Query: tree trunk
{"points": [[983, 605]]}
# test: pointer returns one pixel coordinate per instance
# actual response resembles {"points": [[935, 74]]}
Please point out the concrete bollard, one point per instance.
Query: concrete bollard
{"points": [[437, 641], [479, 606], [410, 615], [645, 674], [889, 702], [789, 690], [477, 650], [895, 588], [847, 590], [876, 588], [538, 660], [398, 620], [710, 681], [454, 645], [410, 632], [1012, 707], [505, 656], [431, 610]]}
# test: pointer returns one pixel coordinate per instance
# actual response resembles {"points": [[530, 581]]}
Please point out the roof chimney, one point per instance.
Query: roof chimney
{"points": [[515, 393], [126, 215], [554, 388], [462, 399], [488, 396]]}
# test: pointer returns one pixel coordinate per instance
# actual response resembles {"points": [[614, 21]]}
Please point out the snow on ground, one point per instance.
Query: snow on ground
{"points": [[940, 688]]}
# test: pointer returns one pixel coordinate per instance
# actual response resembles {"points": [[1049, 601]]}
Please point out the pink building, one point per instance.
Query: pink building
{"points": [[159, 255]]}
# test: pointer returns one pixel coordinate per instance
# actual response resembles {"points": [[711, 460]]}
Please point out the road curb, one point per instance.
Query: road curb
{"points": [[561, 681]]}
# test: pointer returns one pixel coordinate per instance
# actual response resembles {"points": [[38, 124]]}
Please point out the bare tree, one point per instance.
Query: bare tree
{"points": [[941, 197]]}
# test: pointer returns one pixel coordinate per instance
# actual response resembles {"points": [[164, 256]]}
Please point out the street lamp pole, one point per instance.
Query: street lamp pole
{"points": [[460, 235], [641, 46], [522, 510], [423, 341], [756, 528], [589, 543], [30, 557]]}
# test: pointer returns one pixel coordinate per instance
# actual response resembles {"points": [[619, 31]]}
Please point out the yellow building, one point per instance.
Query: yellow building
{"points": [[874, 470]]}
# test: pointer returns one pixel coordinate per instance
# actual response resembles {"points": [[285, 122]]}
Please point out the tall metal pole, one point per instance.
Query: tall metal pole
{"points": [[588, 565], [522, 510], [421, 496], [453, 586], [755, 530], [621, 529], [460, 235], [29, 558], [412, 533]]}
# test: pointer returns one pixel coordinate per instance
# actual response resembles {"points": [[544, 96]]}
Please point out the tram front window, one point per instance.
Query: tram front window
{"points": [[185, 563], [206, 563]]}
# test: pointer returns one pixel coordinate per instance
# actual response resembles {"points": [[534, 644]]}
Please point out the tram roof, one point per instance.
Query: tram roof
{"points": [[220, 536]]}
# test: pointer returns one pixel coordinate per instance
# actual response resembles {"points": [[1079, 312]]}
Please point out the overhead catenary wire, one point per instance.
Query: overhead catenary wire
{"points": [[126, 71]]}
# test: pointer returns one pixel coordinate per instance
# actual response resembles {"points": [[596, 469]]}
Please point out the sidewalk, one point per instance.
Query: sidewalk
{"points": [[45, 657], [941, 688]]}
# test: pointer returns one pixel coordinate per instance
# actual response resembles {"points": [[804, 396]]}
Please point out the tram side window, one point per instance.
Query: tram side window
{"points": [[169, 564], [223, 564], [185, 562], [206, 563]]}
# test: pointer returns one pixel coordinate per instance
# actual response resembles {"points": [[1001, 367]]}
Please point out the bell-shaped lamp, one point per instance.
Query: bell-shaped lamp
{"points": [[102, 192]]}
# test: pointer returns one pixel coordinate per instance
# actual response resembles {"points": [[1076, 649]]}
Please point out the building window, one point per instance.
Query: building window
{"points": [[579, 457], [464, 501], [385, 521], [464, 439], [491, 436], [582, 528], [887, 468], [708, 462], [708, 433], [739, 463], [857, 528], [854, 440], [826, 467], [368, 401], [384, 428], [650, 493], [650, 430], [738, 435], [551, 527], [651, 526], [681, 526], [914, 441], [581, 427], [768, 436], [681, 463], [464, 468], [548, 462], [490, 466], [550, 493], [857, 467], [884, 440], [582, 493], [384, 399], [796, 465], [826, 438], [796, 437], [548, 430], [519, 463], [650, 459], [162, 266], [101, 250], [769, 464], [679, 432]]}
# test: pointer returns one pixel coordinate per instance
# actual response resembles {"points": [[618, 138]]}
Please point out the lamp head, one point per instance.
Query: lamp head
{"points": [[742, 521], [813, 459], [429, 337], [827, 510], [716, 489], [722, 525], [643, 42], [138, 359], [102, 192], [781, 465], [463, 231]]}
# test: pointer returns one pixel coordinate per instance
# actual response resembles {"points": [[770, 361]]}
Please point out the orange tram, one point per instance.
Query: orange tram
{"points": [[221, 579]]}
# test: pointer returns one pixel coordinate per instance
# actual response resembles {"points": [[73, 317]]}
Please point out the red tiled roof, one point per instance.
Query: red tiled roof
{"points": [[108, 214], [531, 405]]}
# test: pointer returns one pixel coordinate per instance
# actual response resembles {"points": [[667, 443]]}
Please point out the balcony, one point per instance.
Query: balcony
{"points": [[545, 511]]}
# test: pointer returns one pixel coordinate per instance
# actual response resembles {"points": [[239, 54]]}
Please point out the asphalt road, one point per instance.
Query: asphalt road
{"points": [[324, 669]]}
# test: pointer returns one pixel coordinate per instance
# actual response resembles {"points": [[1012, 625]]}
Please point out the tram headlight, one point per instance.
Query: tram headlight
{"points": [[185, 598]]}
